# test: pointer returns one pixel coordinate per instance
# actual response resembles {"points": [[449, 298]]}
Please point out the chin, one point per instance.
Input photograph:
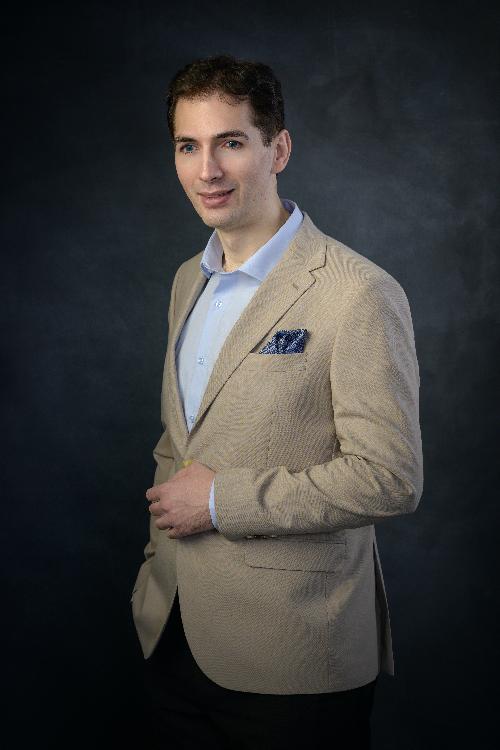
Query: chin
{"points": [[210, 221], [215, 221]]}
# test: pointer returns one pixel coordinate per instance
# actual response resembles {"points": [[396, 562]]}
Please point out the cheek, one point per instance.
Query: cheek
{"points": [[184, 173], [251, 175], [259, 172]]}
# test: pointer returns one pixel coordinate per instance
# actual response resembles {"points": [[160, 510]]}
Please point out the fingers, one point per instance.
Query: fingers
{"points": [[162, 523], [174, 533], [153, 494], [155, 509], [158, 491], [178, 532], [155, 504], [162, 517]]}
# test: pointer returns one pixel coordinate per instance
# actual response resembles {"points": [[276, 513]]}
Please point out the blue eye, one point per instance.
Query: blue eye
{"points": [[233, 146]]}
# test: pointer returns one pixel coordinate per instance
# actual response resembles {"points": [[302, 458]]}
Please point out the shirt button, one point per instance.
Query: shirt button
{"points": [[191, 417], [201, 360], [218, 303]]}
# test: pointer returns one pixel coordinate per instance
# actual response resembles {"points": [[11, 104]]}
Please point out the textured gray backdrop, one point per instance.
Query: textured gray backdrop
{"points": [[393, 110]]}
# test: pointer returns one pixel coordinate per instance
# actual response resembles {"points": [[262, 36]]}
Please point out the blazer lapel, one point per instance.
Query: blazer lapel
{"points": [[288, 280], [185, 305]]}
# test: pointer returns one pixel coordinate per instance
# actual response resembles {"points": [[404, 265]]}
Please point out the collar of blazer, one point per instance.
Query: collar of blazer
{"points": [[287, 281]]}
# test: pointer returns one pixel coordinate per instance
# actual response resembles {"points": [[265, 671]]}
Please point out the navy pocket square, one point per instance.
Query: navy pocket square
{"points": [[286, 342]]}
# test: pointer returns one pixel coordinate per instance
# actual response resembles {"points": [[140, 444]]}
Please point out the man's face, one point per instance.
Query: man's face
{"points": [[221, 150]]}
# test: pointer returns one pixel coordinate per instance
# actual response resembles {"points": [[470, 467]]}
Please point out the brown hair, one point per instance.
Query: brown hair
{"points": [[237, 79]]}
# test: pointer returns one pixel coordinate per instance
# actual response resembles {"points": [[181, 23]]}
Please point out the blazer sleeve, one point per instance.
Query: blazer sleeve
{"points": [[377, 469]]}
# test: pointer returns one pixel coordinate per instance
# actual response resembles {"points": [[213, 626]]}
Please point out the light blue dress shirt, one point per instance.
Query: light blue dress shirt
{"points": [[217, 309]]}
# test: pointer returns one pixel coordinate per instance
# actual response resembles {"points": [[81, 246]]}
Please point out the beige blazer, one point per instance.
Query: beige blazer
{"points": [[310, 450]]}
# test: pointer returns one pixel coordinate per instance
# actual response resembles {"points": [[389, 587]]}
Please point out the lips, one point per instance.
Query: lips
{"points": [[218, 193], [216, 199]]}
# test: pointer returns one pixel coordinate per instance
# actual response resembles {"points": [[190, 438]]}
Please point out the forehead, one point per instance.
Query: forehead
{"points": [[211, 114]]}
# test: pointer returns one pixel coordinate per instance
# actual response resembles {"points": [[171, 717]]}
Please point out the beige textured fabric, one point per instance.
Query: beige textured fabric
{"points": [[310, 449]]}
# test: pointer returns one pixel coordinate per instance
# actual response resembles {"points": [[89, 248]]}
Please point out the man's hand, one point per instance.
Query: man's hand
{"points": [[181, 504]]}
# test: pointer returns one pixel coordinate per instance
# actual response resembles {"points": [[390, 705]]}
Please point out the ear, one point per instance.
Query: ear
{"points": [[282, 148]]}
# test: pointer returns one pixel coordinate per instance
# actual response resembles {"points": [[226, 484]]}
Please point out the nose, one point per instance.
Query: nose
{"points": [[210, 168]]}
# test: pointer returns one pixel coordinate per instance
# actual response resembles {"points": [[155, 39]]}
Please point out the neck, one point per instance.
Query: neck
{"points": [[241, 244]]}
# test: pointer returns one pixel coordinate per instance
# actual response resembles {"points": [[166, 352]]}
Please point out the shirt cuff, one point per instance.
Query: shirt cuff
{"points": [[211, 505]]}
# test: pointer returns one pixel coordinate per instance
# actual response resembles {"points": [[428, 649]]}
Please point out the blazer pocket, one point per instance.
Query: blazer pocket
{"points": [[283, 554], [275, 362]]}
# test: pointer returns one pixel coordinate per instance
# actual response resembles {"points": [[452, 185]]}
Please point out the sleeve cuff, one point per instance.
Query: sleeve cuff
{"points": [[211, 505]]}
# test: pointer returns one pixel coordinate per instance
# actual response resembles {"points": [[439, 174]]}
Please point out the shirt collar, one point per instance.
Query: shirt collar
{"points": [[265, 258]]}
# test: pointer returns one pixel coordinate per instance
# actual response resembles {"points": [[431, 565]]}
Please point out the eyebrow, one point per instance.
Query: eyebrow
{"points": [[225, 134]]}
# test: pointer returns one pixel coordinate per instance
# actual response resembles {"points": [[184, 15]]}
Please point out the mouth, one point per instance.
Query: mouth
{"points": [[217, 198]]}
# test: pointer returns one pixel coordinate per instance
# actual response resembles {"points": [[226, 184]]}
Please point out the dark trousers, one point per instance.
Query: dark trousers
{"points": [[186, 710]]}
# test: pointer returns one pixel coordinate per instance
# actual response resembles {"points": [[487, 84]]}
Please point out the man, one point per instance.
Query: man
{"points": [[290, 414]]}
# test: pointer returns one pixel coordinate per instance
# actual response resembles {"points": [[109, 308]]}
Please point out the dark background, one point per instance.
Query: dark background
{"points": [[393, 110]]}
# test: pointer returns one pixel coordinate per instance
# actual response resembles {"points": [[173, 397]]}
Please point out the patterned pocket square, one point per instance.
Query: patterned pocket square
{"points": [[286, 342]]}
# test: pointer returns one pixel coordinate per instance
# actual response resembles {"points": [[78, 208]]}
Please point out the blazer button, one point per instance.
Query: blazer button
{"points": [[250, 536]]}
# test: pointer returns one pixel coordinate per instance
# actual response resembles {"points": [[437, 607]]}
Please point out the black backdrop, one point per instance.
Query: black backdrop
{"points": [[393, 111]]}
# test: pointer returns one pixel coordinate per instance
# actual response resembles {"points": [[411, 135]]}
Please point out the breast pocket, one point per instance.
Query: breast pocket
{"points": [[249, 403], [283, 554], [262, 383], [275, 362]]}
